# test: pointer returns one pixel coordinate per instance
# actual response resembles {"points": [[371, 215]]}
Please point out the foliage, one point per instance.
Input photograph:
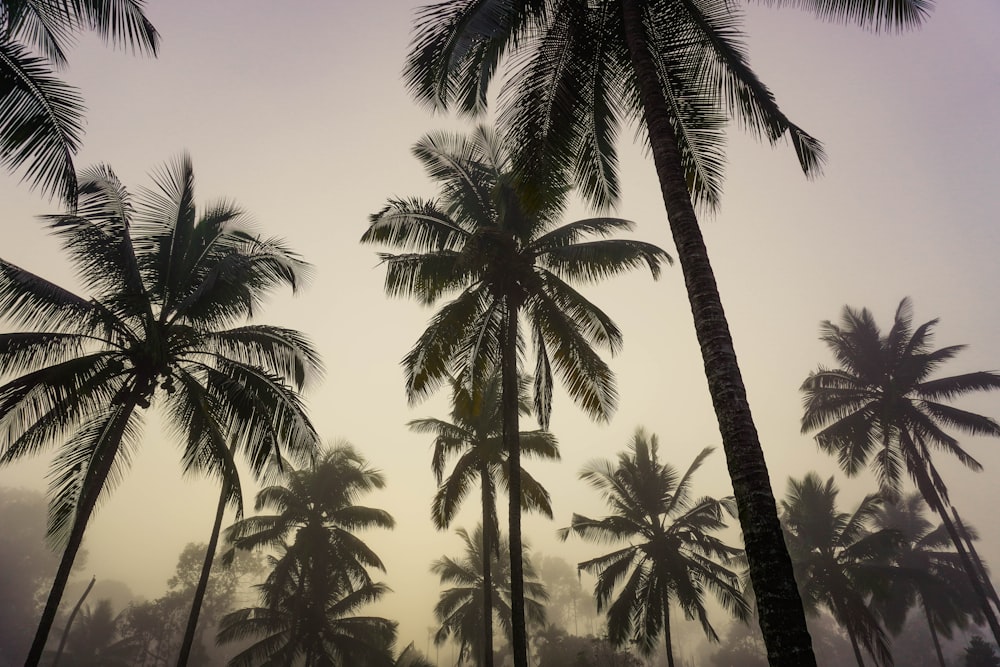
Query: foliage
{"points": [[97, 640], [980, 653], [672, 556], [169, 290], [565, 650], [460, 607], [570, 607], [41, 117], [319, 576], [840, 563]]}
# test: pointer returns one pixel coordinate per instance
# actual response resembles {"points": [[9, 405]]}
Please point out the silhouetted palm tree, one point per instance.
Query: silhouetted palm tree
{"points": [[41, 118], [928, 575], [475, 435], [460, 609], [95, 640], [494, 237], [165, 287], [840, 563], [321, 577], [672, 556], [582, 71], [882, 408]]}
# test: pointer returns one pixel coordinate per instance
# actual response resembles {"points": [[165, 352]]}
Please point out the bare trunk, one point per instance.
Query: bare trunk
{"points": [[206, 571], [69, 621], [101, 467], [666, 633], [857, 649], [489, 510], [991, 591], [511, 443], [934, 634], [782, 618]]}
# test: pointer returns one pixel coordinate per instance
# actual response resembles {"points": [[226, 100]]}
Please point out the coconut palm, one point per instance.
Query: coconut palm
{"points": [[168, 290], [41, 118], [672, 556], [475, 435], [928, 575], [493, 237], [322, 574], [96, 640], [460, 609], [882, 408], [840, 562], [309, 619], [582, 70]]}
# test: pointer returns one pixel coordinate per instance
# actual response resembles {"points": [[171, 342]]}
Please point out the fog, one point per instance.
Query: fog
{"points": [[301, 117]]}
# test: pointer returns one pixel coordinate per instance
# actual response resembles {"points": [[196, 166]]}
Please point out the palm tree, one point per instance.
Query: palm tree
{"points": [[475, 434], [96, 640], [321, 577], [461, 607], [928, 575], [584, 69], [882, 408], [166, 288], [307, 619], [493, 238], [672, 555], [840, 563], [41, 118]]}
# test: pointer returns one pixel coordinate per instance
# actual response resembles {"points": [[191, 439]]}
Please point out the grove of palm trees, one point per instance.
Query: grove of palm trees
{"points": [[662, 333]]}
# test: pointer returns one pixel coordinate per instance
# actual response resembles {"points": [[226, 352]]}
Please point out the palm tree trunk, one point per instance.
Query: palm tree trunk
{"points": [[934, 634], [782, 618], [666, 633], [69, 621], [991, 590], [508, 372], [857, 649], [934, 500], [101, 467], [206, 570], [489, 513]]}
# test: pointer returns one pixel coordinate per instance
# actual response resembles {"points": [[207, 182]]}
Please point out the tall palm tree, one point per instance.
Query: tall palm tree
{"points": [[672, 555], [928, 574], [882, 408], [494, 238], [462, 606], [96, 640], [41, 118], [475, 435], [321, 576], [305, 621], [168, 290], [840, 562], [584, 69]]}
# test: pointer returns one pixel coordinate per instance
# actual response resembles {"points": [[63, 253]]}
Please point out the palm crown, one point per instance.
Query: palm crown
{"points": [[672, 556], [41, 118], [167, 286]]}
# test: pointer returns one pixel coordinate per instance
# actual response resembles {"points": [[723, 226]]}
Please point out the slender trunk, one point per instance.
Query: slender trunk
{"points": [[782, 618], [508, 371], [991, 591], [857, 649], [100, 467], [206, 571], [666, 632], [489, 513], [934, 634], [935, 502], [69, 621]]}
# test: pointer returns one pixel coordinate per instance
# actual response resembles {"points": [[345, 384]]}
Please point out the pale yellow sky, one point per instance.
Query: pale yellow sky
{"points": [[300, 116]]}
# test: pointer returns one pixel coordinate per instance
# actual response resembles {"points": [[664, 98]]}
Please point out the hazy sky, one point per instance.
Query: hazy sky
{"points": [[300, 115]]}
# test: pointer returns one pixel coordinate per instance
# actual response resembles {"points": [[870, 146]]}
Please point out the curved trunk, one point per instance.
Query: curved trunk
{"points": [[489, 513], [102, 467], [782, 618], [991, 590], [206, 571], [666, 633], [508, 372], [934, 634], [69, 621], [934, 501]]}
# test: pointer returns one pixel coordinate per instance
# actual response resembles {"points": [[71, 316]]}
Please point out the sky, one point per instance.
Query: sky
{"points": [[300, 115]]}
